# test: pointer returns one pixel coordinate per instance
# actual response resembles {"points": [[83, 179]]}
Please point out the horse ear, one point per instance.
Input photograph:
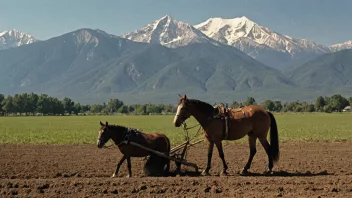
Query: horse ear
{"points": [[180, 96], [101, 124], [106, 123], [185, 97]]}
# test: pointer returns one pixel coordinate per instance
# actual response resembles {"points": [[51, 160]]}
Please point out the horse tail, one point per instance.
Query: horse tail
{"points": [[274, 138]]}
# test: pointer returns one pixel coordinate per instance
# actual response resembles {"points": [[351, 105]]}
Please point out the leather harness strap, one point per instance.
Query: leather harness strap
{"points": [[223, 113]]}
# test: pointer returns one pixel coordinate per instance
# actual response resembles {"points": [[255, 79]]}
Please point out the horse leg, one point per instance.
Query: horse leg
{"points": [[118, 166], [129, 167], [222, 156], [252, 151], [210, 154], [267, 148]]}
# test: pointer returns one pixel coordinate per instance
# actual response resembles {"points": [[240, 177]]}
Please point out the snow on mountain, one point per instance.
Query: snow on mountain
{"points": [[255, 40], [14, 38], [168, 32], [341, 46]]}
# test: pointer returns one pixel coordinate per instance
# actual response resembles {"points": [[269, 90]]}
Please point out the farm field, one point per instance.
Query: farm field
{"points": [[57, 157]]}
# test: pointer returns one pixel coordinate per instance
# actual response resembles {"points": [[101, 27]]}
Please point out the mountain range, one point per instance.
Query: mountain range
{"points": [[15, 38], [217, 60], [261, 43]]}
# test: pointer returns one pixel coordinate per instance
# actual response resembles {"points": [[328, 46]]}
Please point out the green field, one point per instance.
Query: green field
{"points": [[83, 129]]}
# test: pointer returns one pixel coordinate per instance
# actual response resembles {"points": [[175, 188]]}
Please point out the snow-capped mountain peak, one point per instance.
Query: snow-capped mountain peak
{"points": [[341, 46], [232, 29], [213, 25], [256, 40], [15, 38], [168, 32]]}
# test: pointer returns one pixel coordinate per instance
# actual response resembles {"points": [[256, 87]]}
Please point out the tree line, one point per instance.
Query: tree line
{"points": [[34, 104], [335, 103]]}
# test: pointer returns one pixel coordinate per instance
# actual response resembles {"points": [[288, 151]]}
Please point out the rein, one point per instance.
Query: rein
{"points": [[185, 129], [125, 140]]}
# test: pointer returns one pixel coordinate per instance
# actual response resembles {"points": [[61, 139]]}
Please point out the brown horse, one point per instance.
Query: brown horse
{"points": [[253, 121], [123, 135]]}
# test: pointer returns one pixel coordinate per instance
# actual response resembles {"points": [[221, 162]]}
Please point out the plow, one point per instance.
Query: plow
{"points": [[178, 154]]}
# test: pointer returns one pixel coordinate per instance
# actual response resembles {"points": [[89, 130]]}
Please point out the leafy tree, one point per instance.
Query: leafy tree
{"points": [[2, 98], [169, 109], [328, 108], [77, 108], [18, 103], [68, 105], [85, 108], [43, 105], [250, 101], [8, 105], [294, 106], [319, 104], [56, 106], [153, 109], [113, 105], [96, 108], [337, 102], [32, 103], [278, 106], [131, 108], [141, 109], [123, 109], [269, 105], [327, 100], [306, 107]]}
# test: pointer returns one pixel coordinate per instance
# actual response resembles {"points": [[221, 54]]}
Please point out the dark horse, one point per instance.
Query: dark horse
{"points": [[253, 121], [123, 135]]}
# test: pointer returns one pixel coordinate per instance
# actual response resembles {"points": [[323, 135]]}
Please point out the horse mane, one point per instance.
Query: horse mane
{"points": [[205, 108], [117, 127], [120, 127]]}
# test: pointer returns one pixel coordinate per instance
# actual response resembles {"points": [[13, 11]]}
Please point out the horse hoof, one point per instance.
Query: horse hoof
{"points": [[205, 173], [128, 176], [244, 172], [180, 173], [268, 172], [224, 173], [113, 175]]}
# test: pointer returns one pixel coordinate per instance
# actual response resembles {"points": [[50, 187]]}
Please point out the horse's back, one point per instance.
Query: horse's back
{"points": [[157, 141], [248, 111], [246, 119]]}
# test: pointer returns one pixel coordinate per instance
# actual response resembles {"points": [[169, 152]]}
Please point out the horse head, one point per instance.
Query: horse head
{"points": [[103, 134], [183, 112]]}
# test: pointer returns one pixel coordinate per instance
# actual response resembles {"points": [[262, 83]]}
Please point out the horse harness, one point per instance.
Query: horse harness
{"points": [[222, 112], [126, 139]]}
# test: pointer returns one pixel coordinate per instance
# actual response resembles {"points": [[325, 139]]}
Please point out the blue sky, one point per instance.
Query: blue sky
{"points": [[323, 21]]}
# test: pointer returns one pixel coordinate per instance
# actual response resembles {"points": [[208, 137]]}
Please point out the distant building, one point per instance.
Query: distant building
{"points": [[347, 108]]}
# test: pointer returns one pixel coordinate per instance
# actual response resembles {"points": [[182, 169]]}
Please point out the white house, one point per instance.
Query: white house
{"points": [[347, 108]]}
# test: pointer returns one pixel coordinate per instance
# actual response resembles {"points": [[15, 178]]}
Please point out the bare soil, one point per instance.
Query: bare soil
{"points": [[317, 169]]}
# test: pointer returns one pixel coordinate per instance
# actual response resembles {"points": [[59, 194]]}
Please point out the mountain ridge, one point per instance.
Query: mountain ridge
{"points": [[90, 63], [14, 38], [260, 42], [168, 32]]}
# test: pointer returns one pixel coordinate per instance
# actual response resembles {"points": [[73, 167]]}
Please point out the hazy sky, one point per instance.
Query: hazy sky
{"points": [[323, 21]]}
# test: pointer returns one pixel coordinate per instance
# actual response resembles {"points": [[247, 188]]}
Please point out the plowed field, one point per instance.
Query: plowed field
{"points": [[304, 170]]}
